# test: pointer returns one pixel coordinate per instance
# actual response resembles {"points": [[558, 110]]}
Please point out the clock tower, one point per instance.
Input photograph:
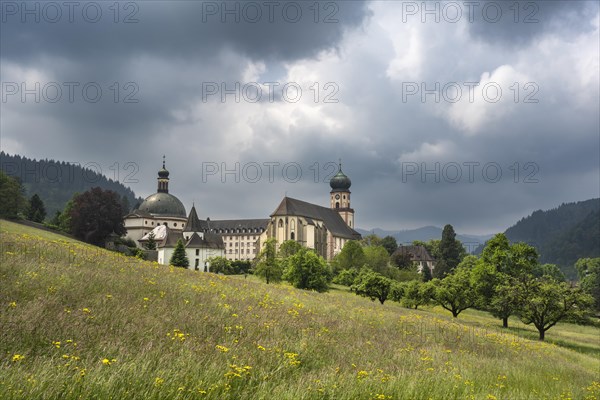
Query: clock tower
{"points": [[340, 196]]}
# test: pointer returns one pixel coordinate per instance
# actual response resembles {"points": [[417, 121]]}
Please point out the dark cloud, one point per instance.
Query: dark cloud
{"points": [[284, 30], [515, 23], [171, 52]]}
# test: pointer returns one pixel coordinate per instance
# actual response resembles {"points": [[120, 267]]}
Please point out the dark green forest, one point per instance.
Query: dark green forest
{"points": [[56, 181], [563, 234]]}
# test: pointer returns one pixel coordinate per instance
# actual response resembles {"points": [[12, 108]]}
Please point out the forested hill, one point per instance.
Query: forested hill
{"points": [[563, 234], [56, 181]]}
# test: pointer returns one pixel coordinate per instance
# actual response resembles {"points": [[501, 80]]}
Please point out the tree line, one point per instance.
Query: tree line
{"points": [[90, 216], [506, 280]]}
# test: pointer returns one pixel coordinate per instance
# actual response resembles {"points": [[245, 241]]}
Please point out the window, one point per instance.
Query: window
{"points": [[197, 252], [293, 236], [197, 262], [175, 224], [236, 244], [145, 222], [281, 223], [337, 204]]}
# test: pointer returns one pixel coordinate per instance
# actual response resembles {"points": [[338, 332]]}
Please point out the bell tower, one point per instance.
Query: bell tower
{"points": [[340, 196], [163, 179]]}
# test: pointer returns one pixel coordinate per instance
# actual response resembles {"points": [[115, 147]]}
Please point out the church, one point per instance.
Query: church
{"points": [[163, 216], [324, 229]]}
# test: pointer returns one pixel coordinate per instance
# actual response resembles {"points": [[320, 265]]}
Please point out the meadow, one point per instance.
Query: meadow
{"points": [[81, 322]]}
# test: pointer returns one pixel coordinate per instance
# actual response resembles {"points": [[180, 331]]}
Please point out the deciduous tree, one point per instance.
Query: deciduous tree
{"points": [[351, 256], [220, 265], [307, 270], [589, 275], [267, 265], [95, 214], [546, 302], [289, 248], [455, 292], [390, 244], [372, 285]]}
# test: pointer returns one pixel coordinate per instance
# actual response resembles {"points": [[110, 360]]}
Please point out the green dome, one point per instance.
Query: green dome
{"points": [[163, 205], [340, 182]]}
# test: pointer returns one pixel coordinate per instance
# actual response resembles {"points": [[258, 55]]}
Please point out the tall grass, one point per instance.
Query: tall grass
{"points": [[80, 322]]}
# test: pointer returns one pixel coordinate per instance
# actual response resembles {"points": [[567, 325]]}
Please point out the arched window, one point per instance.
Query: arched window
{"points": [[280, 223], [337, 204], [293, 236]]}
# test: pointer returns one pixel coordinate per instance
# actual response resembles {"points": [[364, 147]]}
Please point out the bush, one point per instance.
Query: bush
{"points": [[346, 277]]}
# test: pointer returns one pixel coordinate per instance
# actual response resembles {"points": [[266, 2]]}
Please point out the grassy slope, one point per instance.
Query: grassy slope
{"points": [[172, 333]]}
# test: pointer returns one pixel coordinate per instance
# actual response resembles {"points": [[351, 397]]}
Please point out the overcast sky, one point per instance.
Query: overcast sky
{"points": [[473, 114]]}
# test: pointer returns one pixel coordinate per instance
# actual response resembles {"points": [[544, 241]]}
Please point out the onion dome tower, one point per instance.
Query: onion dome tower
{"points": [[340, 196]]}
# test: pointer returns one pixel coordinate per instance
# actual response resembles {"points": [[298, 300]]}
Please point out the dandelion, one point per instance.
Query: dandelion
{"points": [[362, 374], [86, 310], [158, 381], [17, 357], [56, 344], [222, 349], [292, 360], [12, 304], [106, 361], [260, 348], [109, 296]]}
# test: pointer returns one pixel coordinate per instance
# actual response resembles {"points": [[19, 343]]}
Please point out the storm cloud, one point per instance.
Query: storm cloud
{"points": [[472, 119]]}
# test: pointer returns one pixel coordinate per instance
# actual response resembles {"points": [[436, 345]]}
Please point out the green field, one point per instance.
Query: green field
{"points": [[81, 322]]}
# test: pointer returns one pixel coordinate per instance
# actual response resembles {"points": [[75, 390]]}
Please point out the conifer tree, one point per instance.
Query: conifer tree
{"points": [[151, 243], [36, 211], [426, 273], [179, 258]]}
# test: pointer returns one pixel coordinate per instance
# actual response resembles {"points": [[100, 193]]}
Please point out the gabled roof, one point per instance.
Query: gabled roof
{"points": [[416, 253], [210, 240], [332, 220], [172, 238]]}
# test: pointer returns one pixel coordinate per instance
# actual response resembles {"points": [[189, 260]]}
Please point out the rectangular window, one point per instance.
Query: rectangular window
{"points": [[197, 252]]}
